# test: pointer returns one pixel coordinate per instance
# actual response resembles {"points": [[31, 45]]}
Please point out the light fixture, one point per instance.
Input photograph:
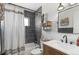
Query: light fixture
{"points": [[60, 7]]}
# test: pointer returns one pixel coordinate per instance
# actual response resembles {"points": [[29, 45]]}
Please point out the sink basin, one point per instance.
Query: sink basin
{"points": [[64, 47], [62, 44]]}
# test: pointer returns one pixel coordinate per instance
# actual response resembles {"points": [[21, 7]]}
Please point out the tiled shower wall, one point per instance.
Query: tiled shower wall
{"points": [[30, 30]]}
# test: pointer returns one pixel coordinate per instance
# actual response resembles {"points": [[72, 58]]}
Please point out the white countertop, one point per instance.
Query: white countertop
{"points": [[67, 48]]}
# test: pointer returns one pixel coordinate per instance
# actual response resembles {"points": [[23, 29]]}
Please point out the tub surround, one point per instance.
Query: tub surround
{"points": [[70, 49]]}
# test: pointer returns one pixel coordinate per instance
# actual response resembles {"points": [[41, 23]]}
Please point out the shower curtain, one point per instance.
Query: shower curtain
{"points": [[14, 35]]}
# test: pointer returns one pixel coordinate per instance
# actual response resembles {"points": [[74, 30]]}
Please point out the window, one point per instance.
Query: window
{"points": [[26, 21]]}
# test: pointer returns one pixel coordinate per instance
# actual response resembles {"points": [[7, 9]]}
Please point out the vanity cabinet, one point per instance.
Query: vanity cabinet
{"points": [[51, 51]]}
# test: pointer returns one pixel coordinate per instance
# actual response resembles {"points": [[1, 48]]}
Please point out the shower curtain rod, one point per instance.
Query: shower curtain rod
{"points": [[18, 12], [22, 7]]}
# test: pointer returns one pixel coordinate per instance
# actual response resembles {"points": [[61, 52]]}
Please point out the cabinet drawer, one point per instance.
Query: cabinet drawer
{"points": [[51, 51]]}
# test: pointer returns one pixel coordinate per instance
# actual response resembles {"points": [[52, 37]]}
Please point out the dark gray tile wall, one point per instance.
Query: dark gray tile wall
{"points": [[30, 31]]}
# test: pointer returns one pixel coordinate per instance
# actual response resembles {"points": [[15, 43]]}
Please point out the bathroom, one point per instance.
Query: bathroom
{"points": [[36, 28]]}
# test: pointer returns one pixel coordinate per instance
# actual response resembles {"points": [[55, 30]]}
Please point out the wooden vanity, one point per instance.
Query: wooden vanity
{"points": [[51, 51], [56, 47]]}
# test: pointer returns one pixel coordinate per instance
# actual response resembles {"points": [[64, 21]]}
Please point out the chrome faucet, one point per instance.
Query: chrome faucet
{"points": [[65, 36]]}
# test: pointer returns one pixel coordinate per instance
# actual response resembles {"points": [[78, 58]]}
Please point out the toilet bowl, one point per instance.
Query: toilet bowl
{"points": [[37, 51]]}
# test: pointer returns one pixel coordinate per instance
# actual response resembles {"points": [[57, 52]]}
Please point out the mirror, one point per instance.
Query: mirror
{"points": [[68, 20]]}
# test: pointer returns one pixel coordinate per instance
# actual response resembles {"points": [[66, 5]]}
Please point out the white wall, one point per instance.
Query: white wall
{"points": [[76, 19], [51, 9]]}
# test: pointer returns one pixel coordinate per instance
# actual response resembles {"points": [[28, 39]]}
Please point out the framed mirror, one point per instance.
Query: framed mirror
{"points": [[68, 20]]}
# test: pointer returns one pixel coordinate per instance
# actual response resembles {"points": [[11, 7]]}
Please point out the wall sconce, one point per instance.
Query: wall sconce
{"points": [[60, 7]]}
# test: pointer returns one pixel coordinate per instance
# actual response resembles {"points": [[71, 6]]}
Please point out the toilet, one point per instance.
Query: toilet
{"points": [[36, 51]]}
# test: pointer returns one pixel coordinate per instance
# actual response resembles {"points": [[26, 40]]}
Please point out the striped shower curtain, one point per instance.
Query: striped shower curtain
{"points": [[14, 35]]}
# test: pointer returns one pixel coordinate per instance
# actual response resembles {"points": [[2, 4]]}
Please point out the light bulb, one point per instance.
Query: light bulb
{"points": [[60, 7]]}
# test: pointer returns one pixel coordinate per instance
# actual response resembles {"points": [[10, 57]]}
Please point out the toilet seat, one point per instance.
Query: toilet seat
{"points": [[36, 51]]}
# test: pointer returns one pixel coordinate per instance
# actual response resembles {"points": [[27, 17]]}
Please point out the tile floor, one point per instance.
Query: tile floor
{"points": [[29, 47]]}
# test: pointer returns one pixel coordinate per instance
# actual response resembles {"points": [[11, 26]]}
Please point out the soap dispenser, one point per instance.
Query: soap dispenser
{"points": [[77, 42]]}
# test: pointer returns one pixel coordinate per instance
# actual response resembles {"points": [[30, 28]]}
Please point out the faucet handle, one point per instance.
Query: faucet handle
{"points": [[71, 42], [62, 40]]}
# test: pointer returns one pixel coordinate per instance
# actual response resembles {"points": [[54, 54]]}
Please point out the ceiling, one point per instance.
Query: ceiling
{"points": [[32, 6], [35, 6]]}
